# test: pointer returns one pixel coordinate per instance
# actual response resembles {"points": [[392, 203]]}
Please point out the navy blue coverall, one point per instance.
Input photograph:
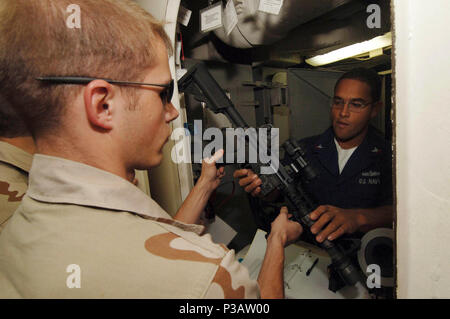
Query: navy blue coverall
{"points": [[366, 180]]}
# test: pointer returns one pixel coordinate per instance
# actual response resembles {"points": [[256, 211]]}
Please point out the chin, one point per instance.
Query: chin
{"points": [[342, 133], [156, 160], [342, 137], [338, 133], [152, 161]]}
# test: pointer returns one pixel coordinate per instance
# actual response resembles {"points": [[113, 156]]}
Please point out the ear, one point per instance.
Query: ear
{"points": [[375, 109], [98, 96]]}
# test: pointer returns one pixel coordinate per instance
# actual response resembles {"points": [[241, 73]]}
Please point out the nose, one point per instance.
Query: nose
{"points": [[344, 112], [171, 113]]}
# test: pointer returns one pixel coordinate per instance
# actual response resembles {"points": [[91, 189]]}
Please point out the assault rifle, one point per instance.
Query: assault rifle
{"points": [[200, 83]]}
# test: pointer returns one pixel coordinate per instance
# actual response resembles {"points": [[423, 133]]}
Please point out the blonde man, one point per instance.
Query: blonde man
{"points": [[98, 103]]}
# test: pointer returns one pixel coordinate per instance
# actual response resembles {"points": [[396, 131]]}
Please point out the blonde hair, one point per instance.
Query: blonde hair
{"points": [[117, 40]]}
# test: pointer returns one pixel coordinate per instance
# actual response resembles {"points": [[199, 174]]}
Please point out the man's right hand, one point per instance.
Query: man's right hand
{"points": [[249, 181]]}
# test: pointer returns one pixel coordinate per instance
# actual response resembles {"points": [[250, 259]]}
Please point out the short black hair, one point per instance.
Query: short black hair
{"points": [[368, 76], [11, 124]]}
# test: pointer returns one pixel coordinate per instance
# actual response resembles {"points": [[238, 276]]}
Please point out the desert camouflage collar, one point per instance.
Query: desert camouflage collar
{"points": [[15, 156], [57, 180]]}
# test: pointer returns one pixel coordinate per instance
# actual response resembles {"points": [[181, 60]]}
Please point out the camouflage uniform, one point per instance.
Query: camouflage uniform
{"points": [[123, 244], [14, 166]]}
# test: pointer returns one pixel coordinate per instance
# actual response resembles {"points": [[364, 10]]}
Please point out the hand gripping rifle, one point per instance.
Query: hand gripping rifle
{"points": [[199, 82]]}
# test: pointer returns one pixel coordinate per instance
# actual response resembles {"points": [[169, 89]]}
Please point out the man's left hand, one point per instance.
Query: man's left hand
{"points": [[333, 222]]}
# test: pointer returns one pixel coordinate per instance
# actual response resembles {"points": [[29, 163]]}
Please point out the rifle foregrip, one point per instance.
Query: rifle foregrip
{"points": [[342, 263]]}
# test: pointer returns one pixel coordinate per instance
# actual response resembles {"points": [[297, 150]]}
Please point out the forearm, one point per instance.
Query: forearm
{"points": [[194, 204], [270, 277], [371, 218]]}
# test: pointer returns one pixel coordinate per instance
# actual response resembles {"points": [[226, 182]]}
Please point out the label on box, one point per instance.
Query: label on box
{"points": [[211, 17], [184, 15], [270, 6]]}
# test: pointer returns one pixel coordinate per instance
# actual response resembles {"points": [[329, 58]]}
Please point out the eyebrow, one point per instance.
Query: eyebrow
{"points": [[354, 100]]}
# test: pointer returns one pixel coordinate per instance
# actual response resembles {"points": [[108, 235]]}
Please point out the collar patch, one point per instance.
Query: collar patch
{"points": [[376, 150]]}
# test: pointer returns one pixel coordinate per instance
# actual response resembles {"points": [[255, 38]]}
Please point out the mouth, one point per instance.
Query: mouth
{"points": [[167, 138], [165, 142], [168, 135], [341, 124]]}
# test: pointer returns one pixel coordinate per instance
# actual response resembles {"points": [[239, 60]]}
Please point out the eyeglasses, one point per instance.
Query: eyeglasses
{"points": [[355, 106], [165, 95]]}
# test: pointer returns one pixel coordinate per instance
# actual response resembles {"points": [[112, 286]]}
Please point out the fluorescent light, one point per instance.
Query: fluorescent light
{"points": [[352, 50]]}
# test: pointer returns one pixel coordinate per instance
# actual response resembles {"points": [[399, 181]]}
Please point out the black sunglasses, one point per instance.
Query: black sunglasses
{"points": [[165, 95]]}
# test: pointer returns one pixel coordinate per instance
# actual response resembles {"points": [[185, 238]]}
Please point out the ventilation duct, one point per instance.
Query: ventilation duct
{"points": [[256, 28]]}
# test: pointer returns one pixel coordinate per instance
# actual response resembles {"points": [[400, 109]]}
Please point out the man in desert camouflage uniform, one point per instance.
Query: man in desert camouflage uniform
{"points": [[83, 230]]}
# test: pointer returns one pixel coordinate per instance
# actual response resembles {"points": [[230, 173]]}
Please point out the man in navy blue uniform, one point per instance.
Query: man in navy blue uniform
{"points": [[354, 186]]}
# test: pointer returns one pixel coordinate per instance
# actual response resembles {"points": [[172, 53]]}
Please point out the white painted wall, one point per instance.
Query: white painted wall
{"points": [[422, 80]]}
